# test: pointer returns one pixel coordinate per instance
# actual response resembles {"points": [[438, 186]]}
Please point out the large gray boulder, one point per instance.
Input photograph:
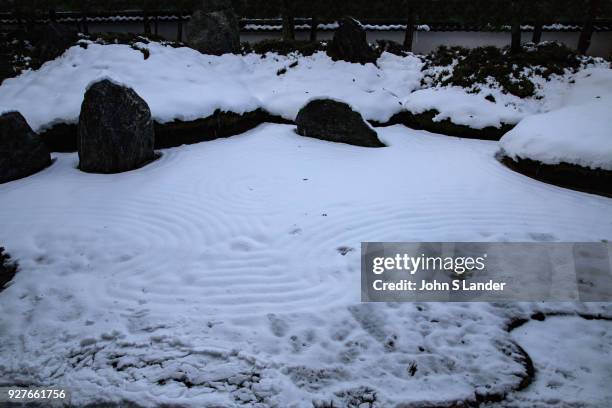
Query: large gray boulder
{"points": [[335, 121], [115, 129], [350, 44], [22, 152], [52, 40], [213, 28]]}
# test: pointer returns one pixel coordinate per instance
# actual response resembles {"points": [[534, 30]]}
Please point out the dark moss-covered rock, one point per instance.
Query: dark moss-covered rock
{"points": [[8, 268], [22, 153], [594, 181], [52, 39], [350, 43], [220, 124], [115, 129], [335, 121], [214, 29], [425, 121]]}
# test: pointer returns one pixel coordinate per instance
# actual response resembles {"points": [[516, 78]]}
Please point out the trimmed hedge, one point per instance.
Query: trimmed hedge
{"points": [[572, 176], [424, 121], [219, 124]]}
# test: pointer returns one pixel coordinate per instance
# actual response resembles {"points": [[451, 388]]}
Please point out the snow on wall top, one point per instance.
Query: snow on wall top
{"points": [[250, 24]]}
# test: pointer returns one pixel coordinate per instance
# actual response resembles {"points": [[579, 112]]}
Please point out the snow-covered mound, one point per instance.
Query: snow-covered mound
{"points": [[463, 108], [576, 128], [181, 83], [579, 134]]}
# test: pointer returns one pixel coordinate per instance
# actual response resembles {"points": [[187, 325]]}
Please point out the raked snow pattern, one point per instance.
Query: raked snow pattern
{"points": [[226, 273]]}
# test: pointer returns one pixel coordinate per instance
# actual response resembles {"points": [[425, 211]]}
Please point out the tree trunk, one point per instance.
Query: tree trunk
{"points": [[30, 20], [52, 16], [584, 41], [409, 33], [156, 25], [179, 28], [515, 43], [537, 33], [314, 26], [288, 22], [85, 26], [18, 19], [145, 22]]}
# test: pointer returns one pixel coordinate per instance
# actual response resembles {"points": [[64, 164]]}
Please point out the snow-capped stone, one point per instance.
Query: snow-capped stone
{"points": [[115, 129], [22, 153], [335, 121]]}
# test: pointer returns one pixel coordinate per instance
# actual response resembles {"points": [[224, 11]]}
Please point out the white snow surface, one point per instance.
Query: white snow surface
{"points": [[573, 362], [181, 83], [577, 129], [463, 108], [214, 276], [579, 135]]}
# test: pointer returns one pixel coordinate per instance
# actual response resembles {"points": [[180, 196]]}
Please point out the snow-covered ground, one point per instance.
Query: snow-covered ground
{"points": [[569, 364], [227, 273]]}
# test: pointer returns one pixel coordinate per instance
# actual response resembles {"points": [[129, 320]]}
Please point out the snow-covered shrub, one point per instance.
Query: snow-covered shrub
{"points": [[512, 73]]}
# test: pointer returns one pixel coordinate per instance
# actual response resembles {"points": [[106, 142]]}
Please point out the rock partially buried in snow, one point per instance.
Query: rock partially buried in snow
{"points": [[335, 121], [22, 152], [115, 129], [350, 43], [213, 29]]}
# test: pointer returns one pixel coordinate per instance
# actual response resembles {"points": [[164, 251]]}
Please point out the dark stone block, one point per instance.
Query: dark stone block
{"points": [[350, 44], [214, 29], [22, 152], [115, 129], [334, 121]]}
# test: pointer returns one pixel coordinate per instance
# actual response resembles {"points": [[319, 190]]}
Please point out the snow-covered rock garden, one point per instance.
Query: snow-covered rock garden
{"points": [[226, 273]]}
